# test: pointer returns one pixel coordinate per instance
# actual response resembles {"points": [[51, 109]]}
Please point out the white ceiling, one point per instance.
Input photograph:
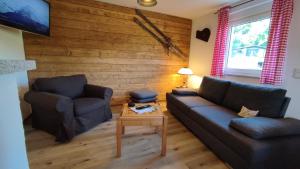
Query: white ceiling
{"points": [[182, 8]]}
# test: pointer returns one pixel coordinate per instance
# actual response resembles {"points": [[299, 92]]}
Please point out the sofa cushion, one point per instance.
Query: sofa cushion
{"points": [[86, 105], [220, 114], [216, 120], [262, 128], [268, 101], [213, 89], [186, 102], [70, 86], [143, 94]]}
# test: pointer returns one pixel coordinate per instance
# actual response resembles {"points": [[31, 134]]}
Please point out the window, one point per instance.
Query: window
{"points": [[247, 47]]}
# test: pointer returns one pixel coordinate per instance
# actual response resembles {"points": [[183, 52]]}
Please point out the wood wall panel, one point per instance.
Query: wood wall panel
{"points": [[101, 41]]}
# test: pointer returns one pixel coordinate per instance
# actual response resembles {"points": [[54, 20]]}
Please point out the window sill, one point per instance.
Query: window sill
{"points": [[243, 73]]}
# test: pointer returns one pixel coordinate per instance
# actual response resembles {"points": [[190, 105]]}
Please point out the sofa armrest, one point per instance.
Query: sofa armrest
{"points": [[98, 91], [263, 128], [185, 92], [285, 106]]}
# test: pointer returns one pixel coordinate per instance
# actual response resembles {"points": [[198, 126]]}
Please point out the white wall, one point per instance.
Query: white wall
{"points": [[11, 48], [293, 62], [201, 54], [12, 144]]}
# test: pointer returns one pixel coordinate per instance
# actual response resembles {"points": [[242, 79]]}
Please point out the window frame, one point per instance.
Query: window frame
{"points": [[241, 21]]}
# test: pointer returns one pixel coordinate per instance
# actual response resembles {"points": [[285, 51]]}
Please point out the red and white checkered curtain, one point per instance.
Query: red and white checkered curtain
{"points": [[272, 73], [217, 68]]}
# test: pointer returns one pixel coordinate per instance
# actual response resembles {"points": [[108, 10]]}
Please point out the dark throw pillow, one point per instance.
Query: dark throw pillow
{"points": [[143, 94]]}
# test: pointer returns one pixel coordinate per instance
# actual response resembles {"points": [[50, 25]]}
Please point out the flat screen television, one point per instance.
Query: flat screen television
{"points": [[28, 15]]}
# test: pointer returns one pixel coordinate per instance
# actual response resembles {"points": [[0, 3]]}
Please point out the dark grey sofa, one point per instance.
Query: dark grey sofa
{"points": [[272, 142], [66, 106]]}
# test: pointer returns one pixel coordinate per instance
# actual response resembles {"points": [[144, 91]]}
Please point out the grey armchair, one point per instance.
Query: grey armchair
{"points": [[66, 106]]}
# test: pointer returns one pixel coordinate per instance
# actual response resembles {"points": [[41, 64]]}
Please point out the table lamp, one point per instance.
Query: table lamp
{"points": [[185, 72]]}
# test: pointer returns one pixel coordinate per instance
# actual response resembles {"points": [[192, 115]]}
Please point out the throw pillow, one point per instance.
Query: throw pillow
{"points": [[245, 112]]}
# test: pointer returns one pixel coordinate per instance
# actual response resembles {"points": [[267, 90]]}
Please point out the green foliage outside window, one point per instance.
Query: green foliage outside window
{"points": [[248, 41]]}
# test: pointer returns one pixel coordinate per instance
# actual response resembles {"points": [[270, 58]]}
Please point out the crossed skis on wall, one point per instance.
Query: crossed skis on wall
{"points": [[158, 34]]}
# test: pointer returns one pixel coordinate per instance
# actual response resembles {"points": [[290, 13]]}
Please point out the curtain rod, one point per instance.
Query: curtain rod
{"points": [[243, 3]]}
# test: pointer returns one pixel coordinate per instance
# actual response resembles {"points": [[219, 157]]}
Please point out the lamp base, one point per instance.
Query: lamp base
{"points": [[183, 86]]}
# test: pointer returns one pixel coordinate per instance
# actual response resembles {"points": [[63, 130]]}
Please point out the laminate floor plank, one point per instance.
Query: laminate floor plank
{"points": [[96, 149]]}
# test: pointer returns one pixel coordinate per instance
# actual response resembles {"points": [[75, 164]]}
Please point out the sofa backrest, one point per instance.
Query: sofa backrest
{"points": [[268, 101], [70, 86], [213, 89]]}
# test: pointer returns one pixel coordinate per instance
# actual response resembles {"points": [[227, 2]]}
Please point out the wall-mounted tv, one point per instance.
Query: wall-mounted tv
{"points": [[28, 15]]}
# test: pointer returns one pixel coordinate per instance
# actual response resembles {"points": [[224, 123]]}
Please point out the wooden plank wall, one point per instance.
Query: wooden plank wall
{"points": [[101, 41]]}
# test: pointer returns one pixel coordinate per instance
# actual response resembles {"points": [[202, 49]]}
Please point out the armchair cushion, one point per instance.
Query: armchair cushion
{"points": [[263, 128], [70, 86], [86, 105], [98, 92]]}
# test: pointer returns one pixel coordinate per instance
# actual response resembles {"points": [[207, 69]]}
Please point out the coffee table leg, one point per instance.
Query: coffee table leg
{"points": [[119, 137], [164, 136]]}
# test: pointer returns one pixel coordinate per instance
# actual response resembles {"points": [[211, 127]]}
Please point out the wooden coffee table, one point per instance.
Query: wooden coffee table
{"points": [[130, 118]]}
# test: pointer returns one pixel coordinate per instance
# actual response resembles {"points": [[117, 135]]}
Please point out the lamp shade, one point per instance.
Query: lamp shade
{"points": [[147, 3], [185, 71]]}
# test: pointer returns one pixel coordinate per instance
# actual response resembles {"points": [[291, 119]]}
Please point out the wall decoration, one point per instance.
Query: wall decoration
{"points": [[203, 35], [158, 34]]}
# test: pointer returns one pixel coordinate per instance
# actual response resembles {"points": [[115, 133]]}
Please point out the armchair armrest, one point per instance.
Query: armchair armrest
{"points": [[52, 113], [98, 91], [48, 100], [185, 92]]}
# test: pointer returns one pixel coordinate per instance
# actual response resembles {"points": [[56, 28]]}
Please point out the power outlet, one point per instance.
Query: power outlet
{"points": [[296, 73]]}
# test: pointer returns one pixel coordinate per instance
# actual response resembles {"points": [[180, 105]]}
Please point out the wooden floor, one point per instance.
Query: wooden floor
{"points": [[141, 149]]}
